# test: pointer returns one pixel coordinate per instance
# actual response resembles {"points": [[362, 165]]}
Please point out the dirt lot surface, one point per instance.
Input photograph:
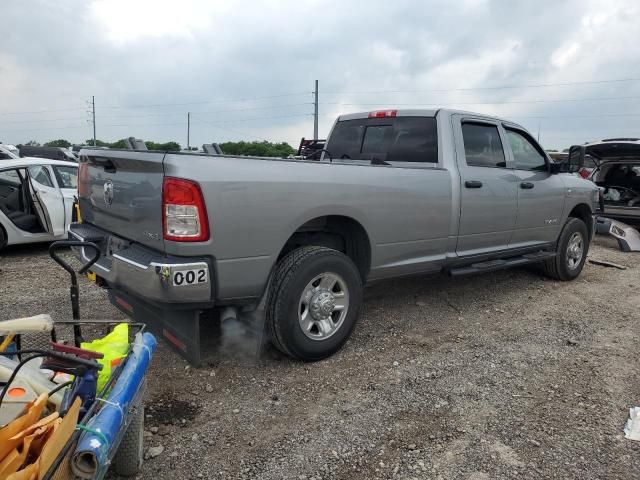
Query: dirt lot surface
{"points": [[496, 376]]}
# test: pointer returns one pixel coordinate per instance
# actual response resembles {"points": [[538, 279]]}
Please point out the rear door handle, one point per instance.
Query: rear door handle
{"points": [[473, 184], [526, 185]]}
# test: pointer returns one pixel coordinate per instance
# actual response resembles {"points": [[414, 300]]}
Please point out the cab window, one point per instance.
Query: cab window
{"points": [[401, 140], [525, 154], [482, 145]]}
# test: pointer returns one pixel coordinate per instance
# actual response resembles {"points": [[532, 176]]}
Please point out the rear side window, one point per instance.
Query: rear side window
{"points": [[397, 139], [525, 154], [482, 145], [67, 176], [40, 175], [10, 178]]}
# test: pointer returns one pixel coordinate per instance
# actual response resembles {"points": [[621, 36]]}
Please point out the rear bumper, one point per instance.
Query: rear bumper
{"points": [[143, 272]]}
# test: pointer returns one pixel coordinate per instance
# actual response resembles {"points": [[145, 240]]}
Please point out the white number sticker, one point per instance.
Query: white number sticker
{"points": [[189, 277]]}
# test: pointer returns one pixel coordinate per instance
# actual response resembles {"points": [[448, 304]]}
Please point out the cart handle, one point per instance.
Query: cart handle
{"points": [[60, 244], [73, 289]]}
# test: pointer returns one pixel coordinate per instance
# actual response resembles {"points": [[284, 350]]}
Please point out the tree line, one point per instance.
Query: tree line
{"points": [[257, 149]]}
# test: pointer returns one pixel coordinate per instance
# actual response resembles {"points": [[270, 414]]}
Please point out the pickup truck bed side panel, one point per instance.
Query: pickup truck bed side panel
{"points": [[254, 206]]}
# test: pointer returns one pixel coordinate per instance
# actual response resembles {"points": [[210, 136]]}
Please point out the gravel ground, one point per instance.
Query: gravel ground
{"points": [[496, 376]]}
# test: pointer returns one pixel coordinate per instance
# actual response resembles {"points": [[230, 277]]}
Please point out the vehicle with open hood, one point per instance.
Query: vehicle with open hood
{"points": [[617, 172]]}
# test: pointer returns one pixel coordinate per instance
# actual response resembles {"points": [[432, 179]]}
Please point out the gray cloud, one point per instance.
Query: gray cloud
{"points": [[55, 55]]}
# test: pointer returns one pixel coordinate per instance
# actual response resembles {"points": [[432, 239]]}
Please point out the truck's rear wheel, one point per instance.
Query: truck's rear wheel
{"points": [[314, 302], [573, 246]]}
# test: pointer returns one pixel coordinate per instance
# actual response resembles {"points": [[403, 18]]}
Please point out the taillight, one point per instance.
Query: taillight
{"points": [[584, 173], [184, 215], [383, 113]]}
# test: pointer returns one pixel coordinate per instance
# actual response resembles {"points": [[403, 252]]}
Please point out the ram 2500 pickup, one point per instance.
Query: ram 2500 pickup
{"points": [[191, 237]]}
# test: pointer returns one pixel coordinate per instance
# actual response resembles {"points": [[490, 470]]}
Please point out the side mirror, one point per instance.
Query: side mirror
{"points": [[556, 167], [575, 159]]}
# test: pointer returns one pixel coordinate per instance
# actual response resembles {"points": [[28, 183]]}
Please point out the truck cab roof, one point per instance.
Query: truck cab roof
{"points": [[421, 112]]}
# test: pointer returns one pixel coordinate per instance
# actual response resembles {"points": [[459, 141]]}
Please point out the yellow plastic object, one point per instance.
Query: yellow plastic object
{"points": [[114, 346], [91, 276], [76, 209], [6, 342]]}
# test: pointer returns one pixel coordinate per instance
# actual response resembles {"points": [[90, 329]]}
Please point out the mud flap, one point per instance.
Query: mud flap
{"points": [[179, 328]]}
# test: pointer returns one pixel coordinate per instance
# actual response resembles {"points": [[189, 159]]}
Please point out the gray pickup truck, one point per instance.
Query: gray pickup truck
{"points": [[189, 238]]}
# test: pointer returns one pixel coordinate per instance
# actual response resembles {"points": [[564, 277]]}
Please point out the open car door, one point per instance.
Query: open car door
{"points": [[47, 200]]}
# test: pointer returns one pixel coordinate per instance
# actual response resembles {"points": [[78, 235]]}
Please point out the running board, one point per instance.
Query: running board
{"points": [[492, 265]]}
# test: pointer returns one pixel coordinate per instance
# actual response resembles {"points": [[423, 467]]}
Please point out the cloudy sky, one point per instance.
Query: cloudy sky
{"points": [[245, 69]]}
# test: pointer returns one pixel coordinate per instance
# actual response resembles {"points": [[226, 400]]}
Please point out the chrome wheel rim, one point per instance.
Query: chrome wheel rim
{"points": [[323, 306], [575, 250]]}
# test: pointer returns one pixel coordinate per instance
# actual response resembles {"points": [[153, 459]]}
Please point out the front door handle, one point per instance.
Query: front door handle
{"points": [[526, 185], [473, 184]]}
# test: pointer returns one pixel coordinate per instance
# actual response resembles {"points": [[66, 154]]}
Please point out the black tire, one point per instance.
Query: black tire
{"points": [[292, 276], [128, 459], [558, 267]]}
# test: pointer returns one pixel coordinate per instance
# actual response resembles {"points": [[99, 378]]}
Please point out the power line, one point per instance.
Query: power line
{"points": [[230, 130], [181, 113], [44, 128], [502, 87], [594, 115], [594, 99], [424, 104], [143, 124], [212, 123], [259, 118], [43, 111], [42, 121], [201, 102], [151, 105]]}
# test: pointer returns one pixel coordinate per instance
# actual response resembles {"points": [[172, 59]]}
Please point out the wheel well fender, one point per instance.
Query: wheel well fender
{"points": [[584, 213], [342, 233]]}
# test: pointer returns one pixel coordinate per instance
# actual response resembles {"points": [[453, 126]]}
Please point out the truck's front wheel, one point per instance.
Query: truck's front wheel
{"points": [[314, 302], [573, 246]]}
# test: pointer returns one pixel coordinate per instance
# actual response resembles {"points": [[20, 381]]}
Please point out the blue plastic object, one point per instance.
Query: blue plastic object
{"points": [[84, 387], [95, 450]]}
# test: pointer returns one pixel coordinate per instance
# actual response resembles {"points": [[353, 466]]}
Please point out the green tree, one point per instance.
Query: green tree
{"points": [[32, 143], [58, 143], [119, 144], [258, 149], [168, 146]]}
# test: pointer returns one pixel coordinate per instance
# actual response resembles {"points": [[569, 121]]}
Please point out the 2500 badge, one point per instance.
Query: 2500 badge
{"points": [[190, 277]]}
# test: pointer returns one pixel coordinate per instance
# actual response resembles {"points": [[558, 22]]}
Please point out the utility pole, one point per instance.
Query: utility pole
{"points": [[93, 109], [315, 112], [188, 129]]}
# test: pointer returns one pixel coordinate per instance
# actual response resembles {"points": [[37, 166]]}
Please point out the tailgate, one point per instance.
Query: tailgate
{"points": [[120, 191]]}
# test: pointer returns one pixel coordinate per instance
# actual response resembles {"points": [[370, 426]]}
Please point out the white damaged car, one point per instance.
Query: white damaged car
{"points": [[36, 199]]}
